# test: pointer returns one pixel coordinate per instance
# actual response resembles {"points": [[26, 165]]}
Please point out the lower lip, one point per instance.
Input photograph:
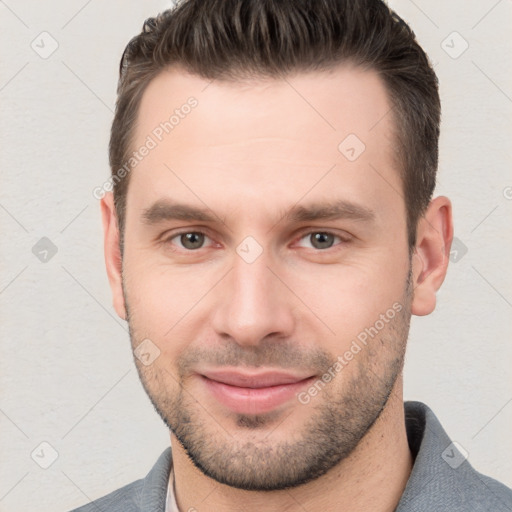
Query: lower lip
{"points": [[254, 400]]}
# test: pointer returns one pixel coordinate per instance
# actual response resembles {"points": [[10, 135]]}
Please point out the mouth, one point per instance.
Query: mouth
{"points": [[253, 393]]}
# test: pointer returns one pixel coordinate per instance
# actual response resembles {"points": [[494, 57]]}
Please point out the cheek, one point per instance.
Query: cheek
{"points": [[169, 303], [161, 299], [350, 297]]}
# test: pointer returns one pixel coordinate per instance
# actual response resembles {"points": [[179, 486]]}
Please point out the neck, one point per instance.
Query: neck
{"points": [[372, 477]]}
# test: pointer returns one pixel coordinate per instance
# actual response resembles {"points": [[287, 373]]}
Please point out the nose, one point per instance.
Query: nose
{"points": [[254, 304]]}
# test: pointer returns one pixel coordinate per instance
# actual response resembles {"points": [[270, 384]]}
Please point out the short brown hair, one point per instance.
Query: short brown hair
{"points": [[238, 39]]}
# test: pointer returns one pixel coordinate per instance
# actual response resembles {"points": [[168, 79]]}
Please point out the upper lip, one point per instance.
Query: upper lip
{"points": [[261, 379]]}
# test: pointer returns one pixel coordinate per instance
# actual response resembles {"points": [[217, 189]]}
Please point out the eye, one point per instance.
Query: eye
{"points": [[189, 240], [321, 239], [194, 240]]}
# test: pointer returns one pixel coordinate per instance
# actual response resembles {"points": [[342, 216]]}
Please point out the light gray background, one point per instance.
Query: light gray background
{"points": [[66, 372]]}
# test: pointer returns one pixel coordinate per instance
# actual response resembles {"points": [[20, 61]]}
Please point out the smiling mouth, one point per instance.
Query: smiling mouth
{"points": [[253, 393]]}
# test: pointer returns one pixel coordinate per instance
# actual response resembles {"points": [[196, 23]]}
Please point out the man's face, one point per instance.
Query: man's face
{"points": [[259, 303]]}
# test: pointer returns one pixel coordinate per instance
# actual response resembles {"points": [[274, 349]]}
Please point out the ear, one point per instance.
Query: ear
{"points": [[430, 259], [112, 250]]}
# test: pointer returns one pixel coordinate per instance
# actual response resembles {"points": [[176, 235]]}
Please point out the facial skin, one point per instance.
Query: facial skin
{"points": [[247, 154]]}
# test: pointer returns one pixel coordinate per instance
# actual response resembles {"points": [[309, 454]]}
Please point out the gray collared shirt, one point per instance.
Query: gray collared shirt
{"points": [[441, 479]]}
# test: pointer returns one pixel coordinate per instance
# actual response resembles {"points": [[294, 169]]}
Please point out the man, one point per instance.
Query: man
{"points": [[270, 233]]}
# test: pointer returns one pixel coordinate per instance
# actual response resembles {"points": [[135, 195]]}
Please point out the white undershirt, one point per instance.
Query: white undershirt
{"points": [[170, 504]]}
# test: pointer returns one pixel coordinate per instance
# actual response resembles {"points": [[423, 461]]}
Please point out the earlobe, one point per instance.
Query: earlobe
{"points": [[112, 251], [434, 236]]}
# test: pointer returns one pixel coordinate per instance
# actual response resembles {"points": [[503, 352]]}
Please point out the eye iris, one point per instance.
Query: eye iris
{"points": [[322, 240], [319, 240], [192, 240]]}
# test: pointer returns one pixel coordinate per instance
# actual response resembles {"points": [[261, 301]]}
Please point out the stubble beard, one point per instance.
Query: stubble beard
{"points": [[250, 460]]}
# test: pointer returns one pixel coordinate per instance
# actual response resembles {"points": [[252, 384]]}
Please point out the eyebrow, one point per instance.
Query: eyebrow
{"points": [[165, 210]]}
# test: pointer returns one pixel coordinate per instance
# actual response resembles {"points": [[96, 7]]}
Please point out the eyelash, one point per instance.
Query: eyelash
{"points": [[343, 240]]}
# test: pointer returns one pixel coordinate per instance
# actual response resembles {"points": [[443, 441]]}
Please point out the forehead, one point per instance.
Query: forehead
{"points": [[343, 99], [253, 137]]}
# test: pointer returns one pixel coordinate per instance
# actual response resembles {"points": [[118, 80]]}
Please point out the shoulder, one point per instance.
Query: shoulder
{"points": [[442, 478], [145, 495], [497, 493], [124, 499]]}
